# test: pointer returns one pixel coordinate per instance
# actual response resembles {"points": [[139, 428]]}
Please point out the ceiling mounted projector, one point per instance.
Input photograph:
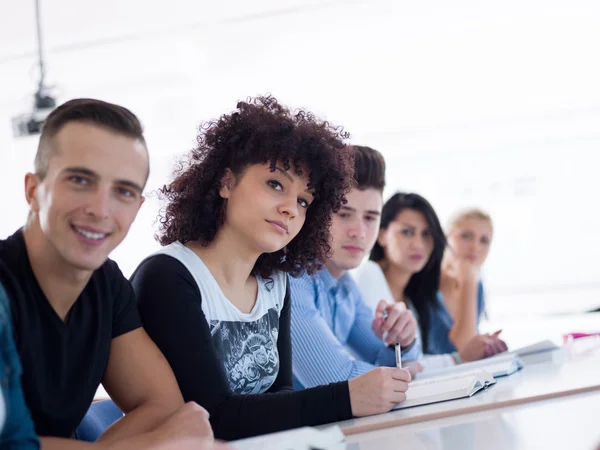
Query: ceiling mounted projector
{"points": [[31, 123]]}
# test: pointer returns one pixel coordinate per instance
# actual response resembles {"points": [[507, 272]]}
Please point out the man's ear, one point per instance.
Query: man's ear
{"points": [[32, 183], [227, 184]]}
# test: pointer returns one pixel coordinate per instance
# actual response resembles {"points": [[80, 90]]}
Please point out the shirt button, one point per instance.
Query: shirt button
{"points": [[5, 382]]}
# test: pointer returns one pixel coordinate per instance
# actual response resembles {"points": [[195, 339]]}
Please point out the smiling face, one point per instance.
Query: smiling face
{"points": [[470, 239], [90, 195], [354, 230], [266, 208], [407, 241]]}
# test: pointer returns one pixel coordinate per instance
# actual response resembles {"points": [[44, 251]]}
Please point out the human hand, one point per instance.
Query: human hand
{"points": [[378, 390], [482, 346], [399, 325], [188, 422], [414, 367], [459, 270]]}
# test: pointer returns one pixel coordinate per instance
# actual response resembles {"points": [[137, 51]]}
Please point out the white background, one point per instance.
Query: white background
{"points": [[495, 104]]}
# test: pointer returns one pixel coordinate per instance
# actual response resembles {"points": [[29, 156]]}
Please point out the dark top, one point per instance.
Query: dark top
{"points": [[170, 304], [441, 322], [63, 362]]}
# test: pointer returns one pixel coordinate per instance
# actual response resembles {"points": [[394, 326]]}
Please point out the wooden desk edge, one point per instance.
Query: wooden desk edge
{"points": [[394, 422]]}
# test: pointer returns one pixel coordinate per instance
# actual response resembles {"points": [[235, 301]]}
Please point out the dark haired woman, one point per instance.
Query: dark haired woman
{"points": [[253, 205], [405, 264]]}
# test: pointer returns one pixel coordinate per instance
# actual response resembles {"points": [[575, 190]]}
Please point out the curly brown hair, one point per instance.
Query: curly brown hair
{"points": [[261, 131]]}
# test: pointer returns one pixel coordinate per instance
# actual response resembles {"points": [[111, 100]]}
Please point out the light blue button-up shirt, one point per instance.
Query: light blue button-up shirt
{"points": [[332, 338]]}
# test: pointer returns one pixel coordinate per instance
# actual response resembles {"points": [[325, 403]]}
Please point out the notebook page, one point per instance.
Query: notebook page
{"points": [[497, 366], [439, 385], [542, 346], [441, 389]]}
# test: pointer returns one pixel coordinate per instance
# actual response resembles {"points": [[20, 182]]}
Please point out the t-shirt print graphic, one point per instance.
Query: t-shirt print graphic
{"points": [[249, 352]]}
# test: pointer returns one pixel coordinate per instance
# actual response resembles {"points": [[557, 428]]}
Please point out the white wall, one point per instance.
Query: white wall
{"points": [[539, 190], [470, 102]]}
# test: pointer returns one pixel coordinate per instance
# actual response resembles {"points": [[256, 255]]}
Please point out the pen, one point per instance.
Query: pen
{"points": [[398, 356]]}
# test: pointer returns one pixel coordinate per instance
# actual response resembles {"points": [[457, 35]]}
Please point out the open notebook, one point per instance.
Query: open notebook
{"points": [[538, 347], [305, 438], [446, 387], [498, 366]]}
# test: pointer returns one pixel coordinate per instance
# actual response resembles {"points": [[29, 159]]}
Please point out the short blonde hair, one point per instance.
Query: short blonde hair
{"points": [[467, 213]]}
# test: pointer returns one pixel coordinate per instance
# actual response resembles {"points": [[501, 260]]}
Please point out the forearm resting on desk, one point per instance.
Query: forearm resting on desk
{"points": [[140, 420]]}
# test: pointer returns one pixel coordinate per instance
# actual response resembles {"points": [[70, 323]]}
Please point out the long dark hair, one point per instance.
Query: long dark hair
{"points": [[423, 286]]}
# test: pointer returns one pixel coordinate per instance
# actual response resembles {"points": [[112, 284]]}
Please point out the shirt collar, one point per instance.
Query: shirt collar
{"points": [[330, 283]]}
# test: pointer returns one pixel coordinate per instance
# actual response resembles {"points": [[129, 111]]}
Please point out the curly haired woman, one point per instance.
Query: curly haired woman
{"points": [[252, 204]]}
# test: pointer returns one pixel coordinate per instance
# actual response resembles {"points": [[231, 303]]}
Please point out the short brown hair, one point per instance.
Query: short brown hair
{"points": [[369, 168], [108, 115]]}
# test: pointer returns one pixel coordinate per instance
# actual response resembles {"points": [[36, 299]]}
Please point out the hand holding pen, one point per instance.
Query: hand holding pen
{"points": [[393, 323], [414, 367]]}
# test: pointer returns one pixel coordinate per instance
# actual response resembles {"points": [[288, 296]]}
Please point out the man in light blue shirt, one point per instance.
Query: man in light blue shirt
{"points": [[334, 334]]}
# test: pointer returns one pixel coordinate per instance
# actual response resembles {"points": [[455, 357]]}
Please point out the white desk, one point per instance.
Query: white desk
{"points": [[569, 423], [522, 330], [546, 376]]}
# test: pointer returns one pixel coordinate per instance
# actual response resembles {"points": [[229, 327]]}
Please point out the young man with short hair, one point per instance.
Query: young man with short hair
{"points": [[74, 314], [334, 334]]}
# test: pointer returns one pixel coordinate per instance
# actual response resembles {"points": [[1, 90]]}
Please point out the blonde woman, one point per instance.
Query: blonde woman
{"points": [[469, 234]]}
